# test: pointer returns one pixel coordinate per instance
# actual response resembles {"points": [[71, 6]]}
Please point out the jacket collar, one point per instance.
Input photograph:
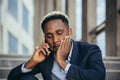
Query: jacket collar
{"points": [[75, 53]]}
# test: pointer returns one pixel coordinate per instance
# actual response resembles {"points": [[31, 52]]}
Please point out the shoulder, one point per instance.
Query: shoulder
{"points": [[86, 46], [86, 49]]}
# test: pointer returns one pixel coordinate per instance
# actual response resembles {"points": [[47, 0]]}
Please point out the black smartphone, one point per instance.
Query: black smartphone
{"points": [[48, 48]]}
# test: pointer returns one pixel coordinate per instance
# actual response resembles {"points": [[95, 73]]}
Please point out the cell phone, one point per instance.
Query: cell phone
{"points": [[48, 48]]}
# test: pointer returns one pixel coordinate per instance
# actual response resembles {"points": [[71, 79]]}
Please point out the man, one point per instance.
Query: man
{"points": [[59, 57]]}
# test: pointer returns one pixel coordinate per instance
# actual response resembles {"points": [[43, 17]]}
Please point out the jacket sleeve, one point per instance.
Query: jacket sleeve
{"points": [[94, 69], [16, 72]]}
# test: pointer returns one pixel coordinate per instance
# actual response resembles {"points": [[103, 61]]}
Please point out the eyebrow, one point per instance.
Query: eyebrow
{"points": [[47, 33], [59, 30], [55, 31]]}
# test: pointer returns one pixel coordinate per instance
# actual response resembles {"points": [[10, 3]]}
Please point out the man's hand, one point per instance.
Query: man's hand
{"points": [[39, 55], [63, 52]]}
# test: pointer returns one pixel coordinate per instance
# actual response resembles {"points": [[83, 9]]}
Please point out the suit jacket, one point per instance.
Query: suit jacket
{"points": [[86, 64]]}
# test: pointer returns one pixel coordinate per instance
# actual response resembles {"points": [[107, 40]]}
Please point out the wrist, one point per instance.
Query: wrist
{"points": [[30, 64], [62, 64]]}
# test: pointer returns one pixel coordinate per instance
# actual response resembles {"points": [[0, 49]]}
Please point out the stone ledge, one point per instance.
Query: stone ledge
{"points": [[111, 58], [2, 79], [112, 65], [11, 62], [111, 75], [4, 71], [14, 56]]}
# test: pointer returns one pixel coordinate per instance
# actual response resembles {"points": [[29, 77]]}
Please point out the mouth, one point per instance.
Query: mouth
{"points": [[56, 47]]}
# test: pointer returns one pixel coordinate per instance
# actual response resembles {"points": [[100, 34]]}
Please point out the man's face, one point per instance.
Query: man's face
{"points": [[55, 31]]}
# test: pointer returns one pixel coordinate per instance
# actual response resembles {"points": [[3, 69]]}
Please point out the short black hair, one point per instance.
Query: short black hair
{"points": [[55, 15]]}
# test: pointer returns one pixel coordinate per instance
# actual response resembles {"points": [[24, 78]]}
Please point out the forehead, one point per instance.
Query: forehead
{"points": [[53, 25]]}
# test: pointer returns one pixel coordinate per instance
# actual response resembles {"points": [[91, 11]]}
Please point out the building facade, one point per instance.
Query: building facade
{"points": [[16, 26]]}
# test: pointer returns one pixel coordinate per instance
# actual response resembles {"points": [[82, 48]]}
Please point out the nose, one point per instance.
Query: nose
{"points": [[55, 39]]}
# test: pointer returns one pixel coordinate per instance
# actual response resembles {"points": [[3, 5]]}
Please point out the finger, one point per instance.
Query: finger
{"points": [[43, 40], [46, 45], [48, 53], [61, 44], [43, 51], [37, 47], [67, 42], [41, 46], [46, 49]]}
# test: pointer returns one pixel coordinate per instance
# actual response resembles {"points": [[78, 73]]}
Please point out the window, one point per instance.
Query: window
{"points": [[1, 35], [101, 10], [12, 7], [63, 6], [101, 42], [25, 18], [12, 44], [78, 32], [25, 50]]}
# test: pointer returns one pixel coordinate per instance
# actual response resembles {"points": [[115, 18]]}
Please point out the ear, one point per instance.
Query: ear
{"points": [[70, 32]]}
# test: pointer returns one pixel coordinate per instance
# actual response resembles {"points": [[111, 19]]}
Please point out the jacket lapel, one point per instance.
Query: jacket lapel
{"points": [[49, 66], [75, 54]]}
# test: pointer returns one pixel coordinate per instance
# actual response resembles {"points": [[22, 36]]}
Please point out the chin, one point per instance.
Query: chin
{"points": [[55, 50]]}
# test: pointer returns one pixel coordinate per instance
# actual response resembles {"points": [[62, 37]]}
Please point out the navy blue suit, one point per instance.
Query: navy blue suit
{"points": [[86, 63]]}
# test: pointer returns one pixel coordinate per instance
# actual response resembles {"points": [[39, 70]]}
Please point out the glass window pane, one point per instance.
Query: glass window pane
{"points": [[101, 12], [25, 50], [12, 7], [25, 18], [63, 6], [101, 42], [12, 44], [78, 33]]}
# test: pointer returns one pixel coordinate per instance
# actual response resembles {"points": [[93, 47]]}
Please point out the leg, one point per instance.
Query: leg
{"points": [[28, 77]]}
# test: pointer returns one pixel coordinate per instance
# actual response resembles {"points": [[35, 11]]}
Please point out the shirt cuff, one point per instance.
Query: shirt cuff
{"points": [[67, 67], [24, 70]]}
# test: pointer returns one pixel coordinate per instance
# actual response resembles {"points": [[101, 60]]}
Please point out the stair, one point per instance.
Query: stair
{"points": [[7, 62], [112, 65]]}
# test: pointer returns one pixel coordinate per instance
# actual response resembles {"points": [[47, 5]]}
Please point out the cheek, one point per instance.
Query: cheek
{"points": [[50, 43]]}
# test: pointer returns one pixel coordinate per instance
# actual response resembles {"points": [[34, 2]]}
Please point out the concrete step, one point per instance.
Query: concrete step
{"points": [[12, 60], [111, 59], [115, 65], [4, 71], [3, 79], [112, 75], [14, 56], [7, 62], [112, 65]]}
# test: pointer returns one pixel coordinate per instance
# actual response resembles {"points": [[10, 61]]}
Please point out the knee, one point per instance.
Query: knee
{"points": [[28, 77]]}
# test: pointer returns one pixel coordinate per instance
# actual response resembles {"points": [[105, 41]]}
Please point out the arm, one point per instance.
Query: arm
{"points": [[38, 56], [16, 72], [94, 69]]}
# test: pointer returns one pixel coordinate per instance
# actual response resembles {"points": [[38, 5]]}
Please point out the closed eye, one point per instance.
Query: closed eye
{"points": [[48, 35], [59, 32]]}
